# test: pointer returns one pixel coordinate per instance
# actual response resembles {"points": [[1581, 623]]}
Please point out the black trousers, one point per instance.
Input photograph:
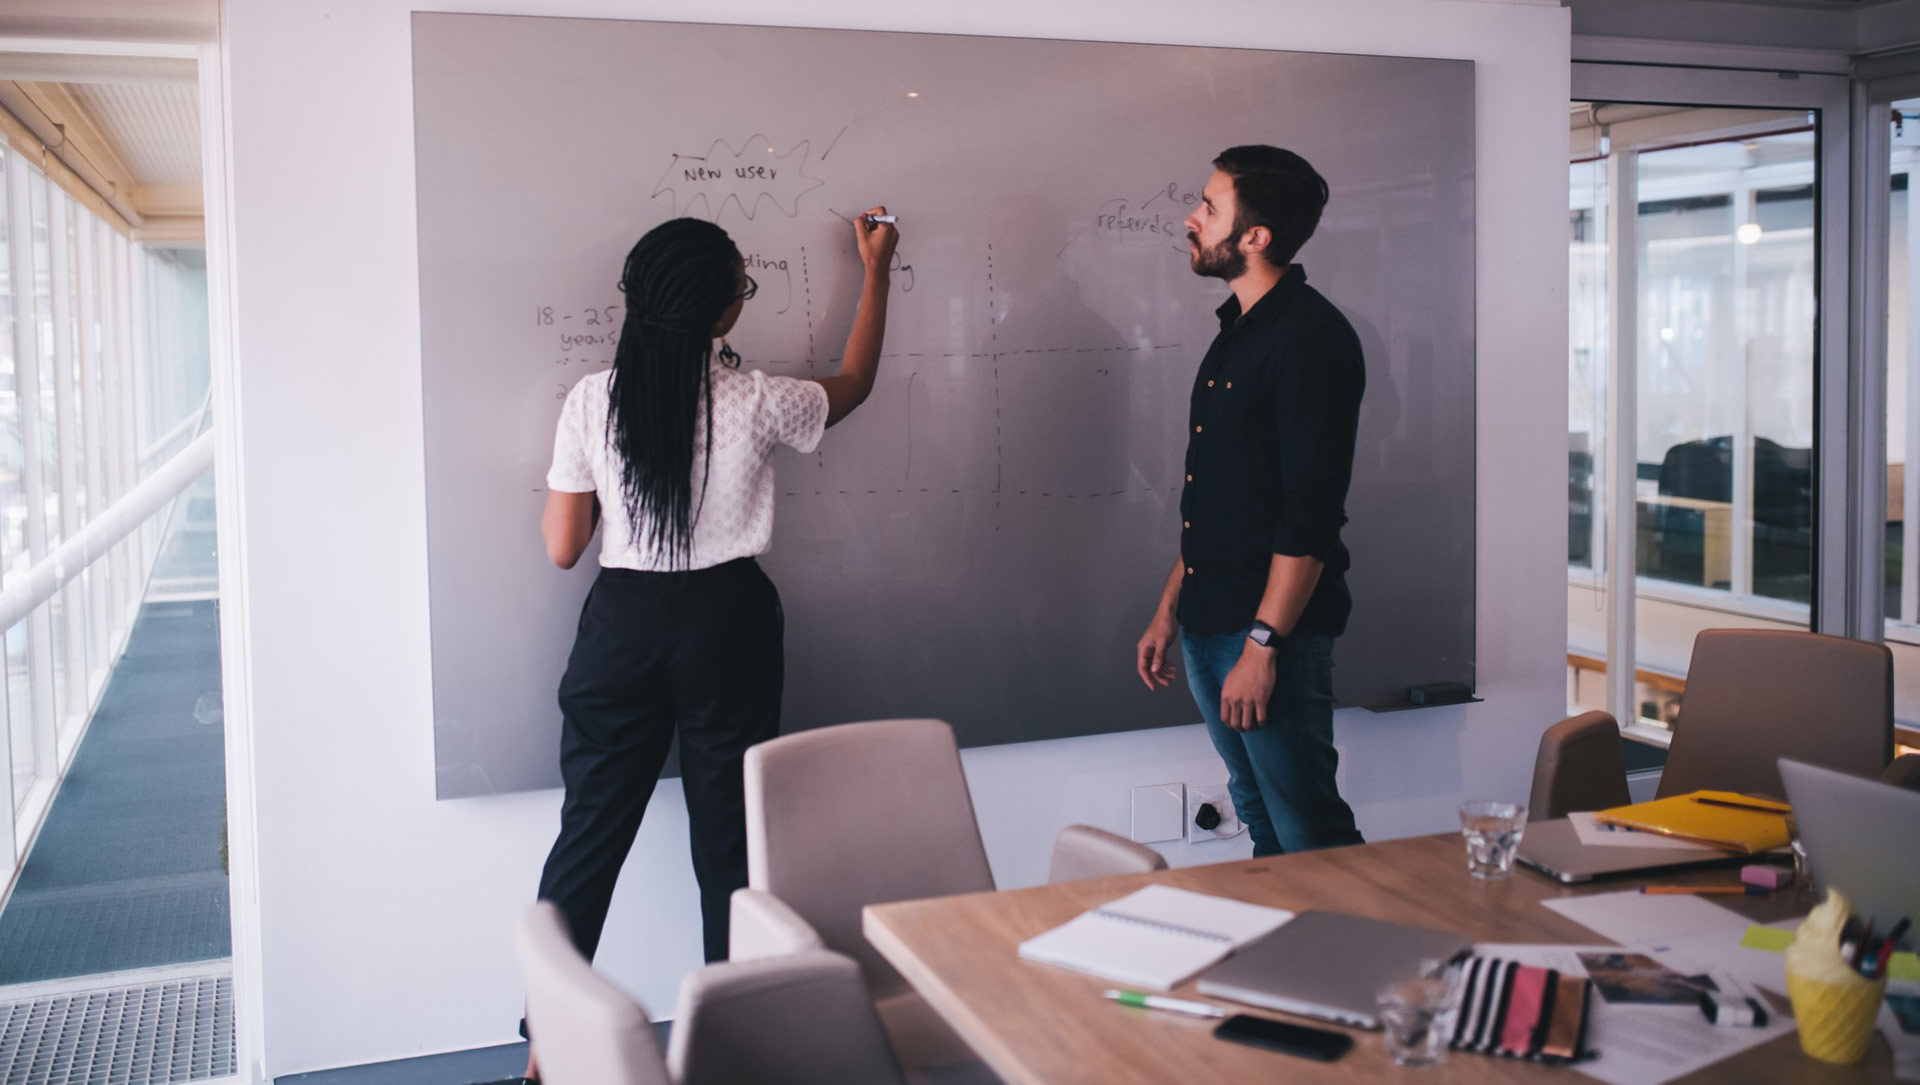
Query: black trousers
{"points": [[697, 654]]}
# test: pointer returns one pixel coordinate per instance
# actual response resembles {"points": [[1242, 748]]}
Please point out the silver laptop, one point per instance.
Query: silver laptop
{"points": [[1859, 838], [1328, 965], [1554, 849]]}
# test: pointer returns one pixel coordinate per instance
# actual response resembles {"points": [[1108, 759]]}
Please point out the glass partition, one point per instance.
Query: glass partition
{"points": [[1723, 293], [1902, 598]]}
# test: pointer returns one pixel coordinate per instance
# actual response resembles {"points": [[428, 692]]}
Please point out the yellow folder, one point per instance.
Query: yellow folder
{"points": [[1722, 819]]}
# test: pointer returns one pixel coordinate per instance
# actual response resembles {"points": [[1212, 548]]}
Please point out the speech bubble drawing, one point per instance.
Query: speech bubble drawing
{"points": [[743, 176]]}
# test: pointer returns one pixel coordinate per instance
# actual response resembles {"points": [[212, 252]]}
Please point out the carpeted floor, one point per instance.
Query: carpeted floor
{"points": [[127, 871]]}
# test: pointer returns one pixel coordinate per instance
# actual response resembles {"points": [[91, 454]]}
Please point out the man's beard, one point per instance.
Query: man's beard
{"points": [[1222, 261]]}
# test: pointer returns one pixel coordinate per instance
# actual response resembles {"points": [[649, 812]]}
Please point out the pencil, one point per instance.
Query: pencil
{"points": [[1676, 890], [1754, 806]]}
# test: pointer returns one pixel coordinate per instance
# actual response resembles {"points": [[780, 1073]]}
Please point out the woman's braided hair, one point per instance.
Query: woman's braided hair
{"points": [[679, 280]]}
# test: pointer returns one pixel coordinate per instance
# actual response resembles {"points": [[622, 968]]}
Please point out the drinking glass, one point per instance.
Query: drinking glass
{"points": [[1416, 1017], [1492, 831]]}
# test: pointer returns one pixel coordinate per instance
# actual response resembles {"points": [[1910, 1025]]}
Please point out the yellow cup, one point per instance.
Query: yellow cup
{"points": [[1835, 1019]]}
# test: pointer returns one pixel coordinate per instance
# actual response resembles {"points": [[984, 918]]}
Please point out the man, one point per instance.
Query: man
{"points": [[1259, 590]]}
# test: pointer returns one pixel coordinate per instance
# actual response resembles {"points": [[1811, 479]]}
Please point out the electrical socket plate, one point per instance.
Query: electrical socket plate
{"points": [[1199, 795], [1157, 812]]}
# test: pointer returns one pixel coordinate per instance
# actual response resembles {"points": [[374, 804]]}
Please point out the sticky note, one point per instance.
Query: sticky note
{"points": [[1902, 966], [1771, 939]]}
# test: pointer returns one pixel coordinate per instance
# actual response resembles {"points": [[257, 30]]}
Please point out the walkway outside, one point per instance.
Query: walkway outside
{"points": [[128, 871]]}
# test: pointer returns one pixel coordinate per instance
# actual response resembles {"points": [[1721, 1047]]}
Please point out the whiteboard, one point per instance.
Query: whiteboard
{"points": [[984, 540]]}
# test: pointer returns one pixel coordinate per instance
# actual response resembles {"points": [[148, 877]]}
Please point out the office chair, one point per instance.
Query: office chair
{"points": [[1579, 767], [1756, 695], [1753, 695], [800, 1019], [1904, 771], [866, 813], [1082, 851]]}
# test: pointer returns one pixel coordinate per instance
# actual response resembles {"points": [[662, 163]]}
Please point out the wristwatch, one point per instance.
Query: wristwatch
{"points": [[1265, 635]]}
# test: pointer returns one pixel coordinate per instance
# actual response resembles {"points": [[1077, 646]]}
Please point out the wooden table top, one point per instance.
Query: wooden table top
{"points": [[1036, 1023]]}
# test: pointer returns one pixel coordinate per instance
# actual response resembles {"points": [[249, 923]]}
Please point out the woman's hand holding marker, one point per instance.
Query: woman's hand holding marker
{"points": [[876, 235]]}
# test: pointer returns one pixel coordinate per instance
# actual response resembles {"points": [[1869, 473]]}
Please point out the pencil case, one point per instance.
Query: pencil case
{"points": [[1522, 1012]]}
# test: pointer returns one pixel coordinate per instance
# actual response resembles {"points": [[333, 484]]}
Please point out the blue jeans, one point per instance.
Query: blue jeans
{"points": [[1280, 775]]}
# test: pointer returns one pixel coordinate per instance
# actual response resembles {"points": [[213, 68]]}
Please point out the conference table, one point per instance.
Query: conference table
{"points": [[1036, 1023]]}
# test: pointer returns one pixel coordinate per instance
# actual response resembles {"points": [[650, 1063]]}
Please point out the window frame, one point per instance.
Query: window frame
{"points": [[1841, 554]]}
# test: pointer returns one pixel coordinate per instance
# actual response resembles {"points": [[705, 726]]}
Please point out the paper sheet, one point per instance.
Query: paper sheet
{"points": [[1644, 1045], [1900, 1024], [1593, 834], [1732, 951], [1634, 918]]}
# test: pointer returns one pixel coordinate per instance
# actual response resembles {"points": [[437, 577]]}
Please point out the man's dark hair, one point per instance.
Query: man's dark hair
{"points": [[1275, 188]]}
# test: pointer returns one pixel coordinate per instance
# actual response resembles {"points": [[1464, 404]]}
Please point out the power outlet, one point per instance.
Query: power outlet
{"points": [[1199, 795], [1156, 812]]}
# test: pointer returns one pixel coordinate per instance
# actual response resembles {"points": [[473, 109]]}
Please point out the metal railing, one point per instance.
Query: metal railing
{"points": [[28, 595]]}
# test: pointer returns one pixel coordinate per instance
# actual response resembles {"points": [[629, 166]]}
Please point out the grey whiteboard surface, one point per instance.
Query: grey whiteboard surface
{"points": [[984, 540]]}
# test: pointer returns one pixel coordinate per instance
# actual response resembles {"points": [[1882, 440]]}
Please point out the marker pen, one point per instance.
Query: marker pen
{"points": [[876, 220], [1171, 1005]]}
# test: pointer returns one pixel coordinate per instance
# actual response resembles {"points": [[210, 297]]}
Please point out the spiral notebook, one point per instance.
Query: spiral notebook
{"points": [[1156, 938]]}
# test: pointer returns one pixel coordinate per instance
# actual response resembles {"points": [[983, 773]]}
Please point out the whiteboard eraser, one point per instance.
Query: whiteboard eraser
{"points": [[1440, 693]]}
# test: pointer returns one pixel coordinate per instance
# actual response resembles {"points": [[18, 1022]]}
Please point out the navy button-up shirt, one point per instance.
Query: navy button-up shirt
{"points": [[1270, 438]]}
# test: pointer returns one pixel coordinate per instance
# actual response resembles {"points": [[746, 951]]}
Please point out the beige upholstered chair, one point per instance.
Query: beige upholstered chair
{"points": [[866, 813], [803, 1019], [798, 1019], [586, 1030], [1579, 767], [1082, 851], [1756, 695]]}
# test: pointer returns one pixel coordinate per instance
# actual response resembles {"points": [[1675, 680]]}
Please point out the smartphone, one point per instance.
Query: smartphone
{"points": [[1308, 1043]]}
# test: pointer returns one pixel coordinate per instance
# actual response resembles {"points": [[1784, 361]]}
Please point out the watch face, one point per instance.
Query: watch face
{"points": [[1261, 635]]}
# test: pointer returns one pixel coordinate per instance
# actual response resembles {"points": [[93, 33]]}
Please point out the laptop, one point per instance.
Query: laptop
{"points": [[1859, 838], [1329, 965], [1554, 849]]}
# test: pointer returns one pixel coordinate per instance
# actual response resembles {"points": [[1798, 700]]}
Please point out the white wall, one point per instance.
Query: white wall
{"points": [[382, 916]]}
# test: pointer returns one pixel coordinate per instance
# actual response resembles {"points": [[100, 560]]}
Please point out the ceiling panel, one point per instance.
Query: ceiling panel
{"points": [[154, 127]]}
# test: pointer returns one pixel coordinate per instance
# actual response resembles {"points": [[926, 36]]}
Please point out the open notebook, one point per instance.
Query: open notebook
{"points": [[1155, 938]]}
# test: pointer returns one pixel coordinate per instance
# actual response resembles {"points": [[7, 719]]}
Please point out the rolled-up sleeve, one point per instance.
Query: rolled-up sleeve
{"points": [[1317, 403]]}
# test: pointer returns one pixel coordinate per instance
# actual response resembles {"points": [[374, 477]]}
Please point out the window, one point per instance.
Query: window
{"points": [[1902, 566], [1718, 306], [71, 369]]}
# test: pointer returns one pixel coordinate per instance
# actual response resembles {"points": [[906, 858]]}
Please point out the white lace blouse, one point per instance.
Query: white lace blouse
{"points": [[752, 412]]}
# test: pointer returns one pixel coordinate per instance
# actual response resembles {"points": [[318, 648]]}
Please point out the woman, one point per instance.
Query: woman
{"points": [[682, 631]]}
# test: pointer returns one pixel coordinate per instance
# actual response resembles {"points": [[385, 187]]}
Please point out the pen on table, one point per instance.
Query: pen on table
{"points": [[1771, 808], [876, 220], [1717, 890], [1171, 1005]]}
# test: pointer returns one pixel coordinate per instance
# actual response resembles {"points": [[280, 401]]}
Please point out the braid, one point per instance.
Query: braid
{"points": [[679, 279]]}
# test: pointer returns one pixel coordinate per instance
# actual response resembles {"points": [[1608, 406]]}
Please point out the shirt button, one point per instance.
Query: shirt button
{"points": [[1189, 478], [1229, 384], [1189, 570], [1196, 429], [1186, 523], [1210, 384]]}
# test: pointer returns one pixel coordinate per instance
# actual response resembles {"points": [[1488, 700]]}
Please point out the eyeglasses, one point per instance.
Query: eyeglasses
{"points": [[752, 288]]}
